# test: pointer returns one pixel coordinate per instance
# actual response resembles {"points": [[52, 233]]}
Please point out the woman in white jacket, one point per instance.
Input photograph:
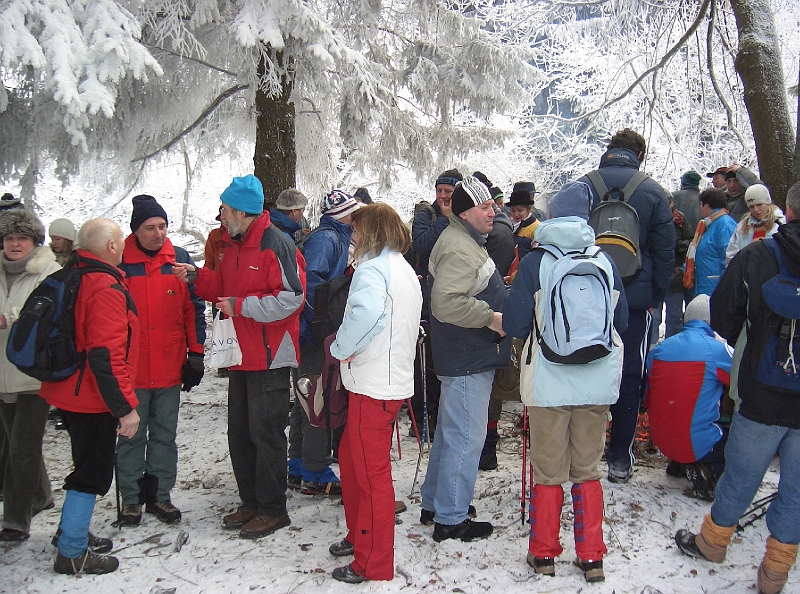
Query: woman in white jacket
{"points": [[376, 345], [24, 263], [762, 221]]}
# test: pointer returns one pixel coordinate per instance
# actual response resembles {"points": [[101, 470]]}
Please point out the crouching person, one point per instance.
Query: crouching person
{"points": [[686, 377], [376, 346], [568, 389], [97, 401]]}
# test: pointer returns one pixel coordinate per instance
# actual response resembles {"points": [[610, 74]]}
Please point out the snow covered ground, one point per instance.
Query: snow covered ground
{"points": [[641, 519]]}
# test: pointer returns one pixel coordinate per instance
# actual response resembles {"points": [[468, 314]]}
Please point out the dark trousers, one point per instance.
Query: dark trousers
{"points": [[625, 412], [432, 383], [94, 442], [258, 411]]}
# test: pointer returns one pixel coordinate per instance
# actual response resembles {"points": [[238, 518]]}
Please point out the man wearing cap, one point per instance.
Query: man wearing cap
{"points": [[172, 333], [288, 213], [469, 344], [62, 234], [326, 250], [718, 177], [737, 180], [686, 198], [260, 284]]}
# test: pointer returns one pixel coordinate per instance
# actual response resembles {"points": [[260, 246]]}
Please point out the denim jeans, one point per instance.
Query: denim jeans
{"points": [[460, 433], [751, 447]]}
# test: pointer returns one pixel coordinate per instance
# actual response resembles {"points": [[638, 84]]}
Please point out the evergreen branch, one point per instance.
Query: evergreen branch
{"points": [[207, 112], [185, 57]]}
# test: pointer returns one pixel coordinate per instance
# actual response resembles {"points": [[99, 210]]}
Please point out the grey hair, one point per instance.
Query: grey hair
{"points": [[793, 198], [95, 234]]}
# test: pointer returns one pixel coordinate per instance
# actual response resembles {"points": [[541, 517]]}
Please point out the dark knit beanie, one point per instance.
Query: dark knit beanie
{"points": [[145, 207], [574, 199], [449, 178], [468, 193], [21, 221], [691, 179], [481, 177]]}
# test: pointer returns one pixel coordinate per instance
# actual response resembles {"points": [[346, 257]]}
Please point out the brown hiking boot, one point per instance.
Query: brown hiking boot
{"points": [[239, 518], [592, 570], [263, 525], [88, 562], [165, 511], [400, 507], [542, 565]]}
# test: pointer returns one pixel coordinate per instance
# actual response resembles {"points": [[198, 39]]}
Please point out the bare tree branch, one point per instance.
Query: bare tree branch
{"points": [[185, 57], [208, 111]]}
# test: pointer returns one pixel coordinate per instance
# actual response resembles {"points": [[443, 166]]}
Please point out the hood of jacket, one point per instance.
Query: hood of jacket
{"points": [[283, 222], [503, 219], [788, 236], [566, 233], [619, 157]]}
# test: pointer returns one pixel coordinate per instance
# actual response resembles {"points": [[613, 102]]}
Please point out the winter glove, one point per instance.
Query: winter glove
{"points": [[192, 371]]}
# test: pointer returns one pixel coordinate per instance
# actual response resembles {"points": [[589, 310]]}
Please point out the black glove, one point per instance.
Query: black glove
{"points": [[192, 371]]}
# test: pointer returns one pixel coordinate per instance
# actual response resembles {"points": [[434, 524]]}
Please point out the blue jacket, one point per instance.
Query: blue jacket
{"points": [[709, 260], [686, 375], [326, 251], [284, 223], [656, 229]]}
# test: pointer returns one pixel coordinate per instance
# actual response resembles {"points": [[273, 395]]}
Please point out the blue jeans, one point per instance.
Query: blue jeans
{"points": [[751, 447], [460, 433]]}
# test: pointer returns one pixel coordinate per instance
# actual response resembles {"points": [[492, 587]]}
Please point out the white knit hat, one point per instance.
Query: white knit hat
{"points": [[62, 228], [757, 194], [699, 308]]}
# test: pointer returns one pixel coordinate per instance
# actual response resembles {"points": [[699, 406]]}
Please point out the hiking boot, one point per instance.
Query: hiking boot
{"points": [[130, 515], [166, 512], [239, 518], [770, 582], [88, 562], [347, 575], [488, 460], [686, 543], [619, 474], [542, 565], [426, 518], [702, 481], [592, 570], [294, 481], [343, 548], [331, 489], [400, 507], [11, 535], [676, 469], [261, 526], [466, 531], [97, 544]]}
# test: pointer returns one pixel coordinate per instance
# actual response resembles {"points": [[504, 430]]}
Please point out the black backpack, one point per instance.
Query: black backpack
{"points": [[616, 224], [42, 340]]}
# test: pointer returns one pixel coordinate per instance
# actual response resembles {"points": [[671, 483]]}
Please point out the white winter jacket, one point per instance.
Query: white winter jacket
{"points": [[380, 328], [43, 263], [742, 238]]}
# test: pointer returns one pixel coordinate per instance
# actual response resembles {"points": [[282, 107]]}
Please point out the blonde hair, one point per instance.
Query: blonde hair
{"points": [[379, 226], [770, 219]]}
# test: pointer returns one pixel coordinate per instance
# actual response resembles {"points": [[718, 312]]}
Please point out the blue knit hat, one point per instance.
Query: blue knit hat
{"points": [[245, 194], [574, 199], [145, 207]]}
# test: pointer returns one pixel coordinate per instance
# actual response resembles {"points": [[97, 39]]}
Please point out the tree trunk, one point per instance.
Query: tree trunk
{"points": [[758, 63], [275, 158], [796, 166]]}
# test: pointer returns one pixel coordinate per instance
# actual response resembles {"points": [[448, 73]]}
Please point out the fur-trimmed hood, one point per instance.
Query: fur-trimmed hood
{"points": [[40, 262]]}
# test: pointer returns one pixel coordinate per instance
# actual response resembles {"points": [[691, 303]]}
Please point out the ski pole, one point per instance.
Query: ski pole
{"points": [[524, 460], [426, 438]]}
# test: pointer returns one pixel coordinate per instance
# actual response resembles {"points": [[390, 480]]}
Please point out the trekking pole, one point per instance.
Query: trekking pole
{"points": [[426, 438], [118, 522], [419, 456], [397, 428], [524, 460], [761, 507]]}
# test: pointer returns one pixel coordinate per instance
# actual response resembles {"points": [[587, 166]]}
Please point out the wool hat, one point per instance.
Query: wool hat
{"points": [[699, 308], [496, 193], [291, 199], [145, 207], [520, 198], [21, 221], [449, 178], [62, 228], [717, 171], [757, 194], [525, 186], [468, 193], [574, 199], [481, 177], [339, 204], [8, 201], [245, 194], [691, 179], [729, 174]]}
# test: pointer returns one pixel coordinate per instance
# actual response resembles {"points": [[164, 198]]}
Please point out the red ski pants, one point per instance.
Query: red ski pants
{"points": [[367, 489]]}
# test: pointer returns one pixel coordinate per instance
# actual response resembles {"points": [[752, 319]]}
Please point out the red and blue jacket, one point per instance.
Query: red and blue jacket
{"points": [[686, 377]]}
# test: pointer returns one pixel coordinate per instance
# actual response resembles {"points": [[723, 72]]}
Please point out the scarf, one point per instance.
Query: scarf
{"points": [[688, 274]]}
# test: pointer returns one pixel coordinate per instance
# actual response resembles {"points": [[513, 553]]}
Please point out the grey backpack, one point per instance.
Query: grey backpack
{"points": [[575, 313]]}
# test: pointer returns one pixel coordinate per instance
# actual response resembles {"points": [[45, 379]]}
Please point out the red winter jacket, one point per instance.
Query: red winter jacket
{"points": [[266, 274], [172, 318], [107, 331]]}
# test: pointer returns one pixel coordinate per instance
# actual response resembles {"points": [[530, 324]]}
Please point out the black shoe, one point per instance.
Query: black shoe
{"points": [[466, 531], [130, 515], [343, 548], [332, 489], [10, 535], [88, 562], [426, 518], [686, 543], [542, 565], [592, 570], [166, 512], [97, 544], [676, 469], [294, 481], [703, 482], [618, 474], [488, 460], [347, 575]]}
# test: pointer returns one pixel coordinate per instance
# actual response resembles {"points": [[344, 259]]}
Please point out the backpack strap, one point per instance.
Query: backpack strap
{"points": [[603, 191], [775, 250], [632, 184], [598, 183]]}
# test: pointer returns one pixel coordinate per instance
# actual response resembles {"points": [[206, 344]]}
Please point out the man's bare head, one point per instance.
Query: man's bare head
{"points": [[103, 238]]}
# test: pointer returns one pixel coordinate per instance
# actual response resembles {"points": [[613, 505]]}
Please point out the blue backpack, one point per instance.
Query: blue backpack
{"points": [[780, 358], [42, 340]]}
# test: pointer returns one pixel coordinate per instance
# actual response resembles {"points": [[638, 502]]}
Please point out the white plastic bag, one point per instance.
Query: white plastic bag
{"points": [[225, 351]]}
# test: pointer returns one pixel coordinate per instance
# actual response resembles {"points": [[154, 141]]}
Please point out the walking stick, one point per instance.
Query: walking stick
{"points": [[397, 428], [524, 460], [426, 438], [118, 522], [761, 507], [420, 438]]}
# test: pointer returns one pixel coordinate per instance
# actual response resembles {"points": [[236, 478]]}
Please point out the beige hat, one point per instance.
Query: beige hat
{"points": [[291, 199], [757, 194], [62, 228]]}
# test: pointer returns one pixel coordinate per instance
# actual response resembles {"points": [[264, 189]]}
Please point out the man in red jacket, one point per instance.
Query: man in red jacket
{"points": [[260, 283], [97, 402], [173, 330]]}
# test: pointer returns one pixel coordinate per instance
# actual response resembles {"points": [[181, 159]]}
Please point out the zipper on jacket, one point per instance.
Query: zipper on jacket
{"points": [[82, 367], [266, 346]]}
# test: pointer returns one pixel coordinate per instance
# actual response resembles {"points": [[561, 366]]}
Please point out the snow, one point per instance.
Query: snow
{"points": [[641, 519]]}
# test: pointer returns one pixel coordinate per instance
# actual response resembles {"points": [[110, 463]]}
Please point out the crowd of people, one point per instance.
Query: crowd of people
{"points": [[472, 302]]}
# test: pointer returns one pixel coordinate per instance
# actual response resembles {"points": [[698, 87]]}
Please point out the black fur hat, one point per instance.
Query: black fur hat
{"points": [[21, 221]]}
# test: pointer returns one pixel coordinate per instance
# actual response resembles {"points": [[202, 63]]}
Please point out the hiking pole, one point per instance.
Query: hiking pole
{"points": [[424, 364], [524, 460], [118, 522], [761, 507], [419, 443], [397, 428]]}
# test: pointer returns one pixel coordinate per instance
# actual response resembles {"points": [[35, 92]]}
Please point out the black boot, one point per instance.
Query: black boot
{"points": [[488, 459]]}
